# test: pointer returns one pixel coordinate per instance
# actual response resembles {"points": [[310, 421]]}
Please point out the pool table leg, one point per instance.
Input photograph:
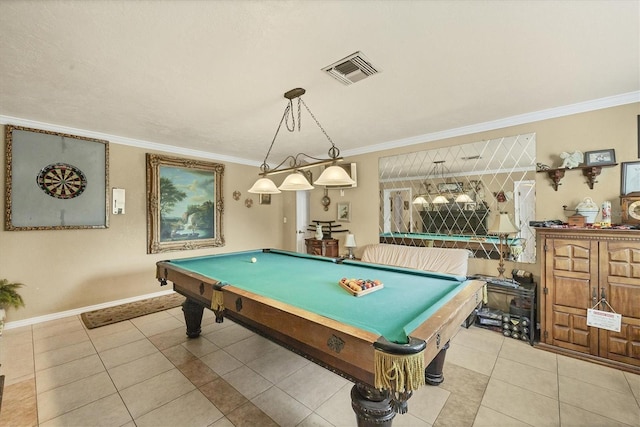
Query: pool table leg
{"points": [[433, 373], [192, 317], [372, 407]]}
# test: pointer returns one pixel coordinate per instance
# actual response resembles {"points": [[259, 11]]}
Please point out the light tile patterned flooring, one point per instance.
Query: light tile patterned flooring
{"points": [[145, 372]]}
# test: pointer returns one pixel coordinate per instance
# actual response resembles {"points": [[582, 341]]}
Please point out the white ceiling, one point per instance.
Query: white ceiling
{"points": [[210, 75]]}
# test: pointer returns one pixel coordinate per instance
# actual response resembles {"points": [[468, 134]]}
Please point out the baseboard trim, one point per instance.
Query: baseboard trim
{"points": [[78, 311]]}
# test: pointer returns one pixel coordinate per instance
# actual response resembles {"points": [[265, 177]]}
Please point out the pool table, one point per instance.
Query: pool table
{"points": [[295, 300], [481, 246]]}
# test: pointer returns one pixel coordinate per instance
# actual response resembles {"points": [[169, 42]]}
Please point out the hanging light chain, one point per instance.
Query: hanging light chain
{"points": [[289, 109], [290, 123], [264, 167], [334, 152]]}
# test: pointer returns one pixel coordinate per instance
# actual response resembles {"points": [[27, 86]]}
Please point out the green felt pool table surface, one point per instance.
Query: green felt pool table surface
{"points": [[311, 283]]}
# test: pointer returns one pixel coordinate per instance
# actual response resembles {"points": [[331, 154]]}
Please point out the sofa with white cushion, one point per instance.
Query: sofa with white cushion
{"points": [[440, 260]]}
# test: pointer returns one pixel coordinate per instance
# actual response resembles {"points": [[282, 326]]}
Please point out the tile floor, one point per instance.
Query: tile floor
{"points": [[145, 372]]}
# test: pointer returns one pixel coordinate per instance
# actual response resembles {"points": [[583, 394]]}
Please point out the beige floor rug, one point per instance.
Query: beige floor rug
{"points": [[107, 316]]}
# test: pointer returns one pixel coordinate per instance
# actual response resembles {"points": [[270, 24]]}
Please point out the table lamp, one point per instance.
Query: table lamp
{"points": [[350, 243], [502, 226]]}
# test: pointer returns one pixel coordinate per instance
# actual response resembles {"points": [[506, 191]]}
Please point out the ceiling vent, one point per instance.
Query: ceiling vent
{"points": [[351, 69]]}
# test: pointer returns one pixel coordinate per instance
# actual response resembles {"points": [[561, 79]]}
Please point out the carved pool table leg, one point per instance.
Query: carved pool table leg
{"points": [[192, 317], [372, 407], [433, 373]]}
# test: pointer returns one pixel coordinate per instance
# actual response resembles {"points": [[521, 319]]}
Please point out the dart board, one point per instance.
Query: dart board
{"points": [[62, 181]]}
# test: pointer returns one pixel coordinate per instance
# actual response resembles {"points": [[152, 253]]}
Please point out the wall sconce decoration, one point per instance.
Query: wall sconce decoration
{"points": [[500, 196]]}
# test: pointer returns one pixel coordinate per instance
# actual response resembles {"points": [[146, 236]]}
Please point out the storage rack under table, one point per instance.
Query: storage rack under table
{"points": [[515, 289]]}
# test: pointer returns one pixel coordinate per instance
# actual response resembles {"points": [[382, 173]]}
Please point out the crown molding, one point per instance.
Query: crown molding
{"points": [[536, 116], [551, 113], [147, 145]]}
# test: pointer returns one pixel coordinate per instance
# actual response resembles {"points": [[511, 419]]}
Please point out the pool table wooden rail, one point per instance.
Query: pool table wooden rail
{"points": [[344, 349], [191, 285]]}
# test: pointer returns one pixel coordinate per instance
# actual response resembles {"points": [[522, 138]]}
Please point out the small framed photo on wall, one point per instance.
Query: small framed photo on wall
{"points": [[600, 157], [630, 177], [344, 211]]}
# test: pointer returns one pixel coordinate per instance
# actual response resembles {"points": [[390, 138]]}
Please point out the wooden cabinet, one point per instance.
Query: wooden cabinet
{"points": [[324, 247], [580, 268]]}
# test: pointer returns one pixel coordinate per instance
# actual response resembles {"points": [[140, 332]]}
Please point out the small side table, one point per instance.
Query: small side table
{"points": [[324, 247]]}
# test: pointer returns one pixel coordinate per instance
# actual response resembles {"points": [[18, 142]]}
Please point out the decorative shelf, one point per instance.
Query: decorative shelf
{"points": [[591, 172], [328, 227]]}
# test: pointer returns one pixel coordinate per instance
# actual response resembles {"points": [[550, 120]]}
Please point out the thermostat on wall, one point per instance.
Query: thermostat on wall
{"points": [[118, 201]]}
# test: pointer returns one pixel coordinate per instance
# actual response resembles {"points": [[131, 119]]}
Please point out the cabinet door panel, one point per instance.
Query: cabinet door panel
{"points": [[620, 278], [570, 331], [572, 256], [623, 259], [572, 292], [624, 298], [569, 280], [623, 346]]}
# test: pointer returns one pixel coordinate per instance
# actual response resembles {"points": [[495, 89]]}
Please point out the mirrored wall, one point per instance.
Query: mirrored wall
{"points": [[452, 197]]}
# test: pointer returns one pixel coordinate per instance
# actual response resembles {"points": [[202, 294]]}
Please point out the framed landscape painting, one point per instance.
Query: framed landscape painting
{"points": [[184, 204]]}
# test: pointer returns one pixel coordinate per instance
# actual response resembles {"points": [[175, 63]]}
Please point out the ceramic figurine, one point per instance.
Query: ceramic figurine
{"points": [[571, 160]]}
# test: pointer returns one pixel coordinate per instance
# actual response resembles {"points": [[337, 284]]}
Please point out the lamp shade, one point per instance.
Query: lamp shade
{"points": [[350, 241], [334, 175], [420, 200], [264, 186], [464, 198], [440, 200], [295, 182], [502, 225]]}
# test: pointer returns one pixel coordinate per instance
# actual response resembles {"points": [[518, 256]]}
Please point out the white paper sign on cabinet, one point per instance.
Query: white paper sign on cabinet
{"points": [[604, 319]]}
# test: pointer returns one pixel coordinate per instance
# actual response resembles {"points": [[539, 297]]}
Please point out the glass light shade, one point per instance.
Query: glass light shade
{"points": [[440, 199], [420, 200], [464, 198], [350, 241], [264, 186], [294, 182], [334, 175], [502, 225]]}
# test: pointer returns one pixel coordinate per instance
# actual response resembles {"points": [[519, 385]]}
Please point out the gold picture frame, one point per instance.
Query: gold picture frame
{"points": [[184, 204], [55, 181]]}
